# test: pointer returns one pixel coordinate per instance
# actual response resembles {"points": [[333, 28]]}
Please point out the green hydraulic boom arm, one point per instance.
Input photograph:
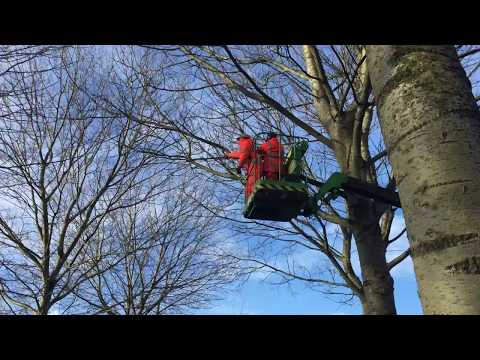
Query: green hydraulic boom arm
{"points": [[338, 184]]}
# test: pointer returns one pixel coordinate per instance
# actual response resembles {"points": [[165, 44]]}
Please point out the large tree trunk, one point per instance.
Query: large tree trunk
{"points": [[431, 127]]}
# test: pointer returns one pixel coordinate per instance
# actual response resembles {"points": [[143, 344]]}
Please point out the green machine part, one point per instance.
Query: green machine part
{"points": [[332, 186], [338, 183], [294, 158], [331, 189]]}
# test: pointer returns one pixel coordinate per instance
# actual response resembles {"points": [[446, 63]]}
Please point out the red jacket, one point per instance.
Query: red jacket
{"points": [[273, 155], [245, 153]]}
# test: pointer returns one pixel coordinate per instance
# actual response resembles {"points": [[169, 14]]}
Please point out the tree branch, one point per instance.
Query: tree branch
{"points": [[398, 259], [261, 97]]}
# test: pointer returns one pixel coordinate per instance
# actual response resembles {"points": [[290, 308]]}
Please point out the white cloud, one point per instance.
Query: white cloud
{"points": [[307, 258], [234, 305], [54, 311], [340, 313], [260, 275]]}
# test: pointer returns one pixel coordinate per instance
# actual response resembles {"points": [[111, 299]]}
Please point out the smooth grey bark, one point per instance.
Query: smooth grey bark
{"points": [[431, 127]]}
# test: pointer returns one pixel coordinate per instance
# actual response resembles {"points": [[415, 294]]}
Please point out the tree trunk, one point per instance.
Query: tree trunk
{"points": [[377, 285], [431, 127], [45, 300], [378, 297]]}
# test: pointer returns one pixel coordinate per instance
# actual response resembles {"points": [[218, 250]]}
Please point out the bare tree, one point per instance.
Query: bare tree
{"points": [[67, 163], [168, 259], [12, 57]]}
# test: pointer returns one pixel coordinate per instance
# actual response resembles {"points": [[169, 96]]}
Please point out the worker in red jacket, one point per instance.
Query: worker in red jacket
{"points": [[246, 156], [272, 152]]}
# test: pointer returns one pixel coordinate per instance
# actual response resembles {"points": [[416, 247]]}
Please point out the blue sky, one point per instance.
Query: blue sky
{"points": [[258, 296]]}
